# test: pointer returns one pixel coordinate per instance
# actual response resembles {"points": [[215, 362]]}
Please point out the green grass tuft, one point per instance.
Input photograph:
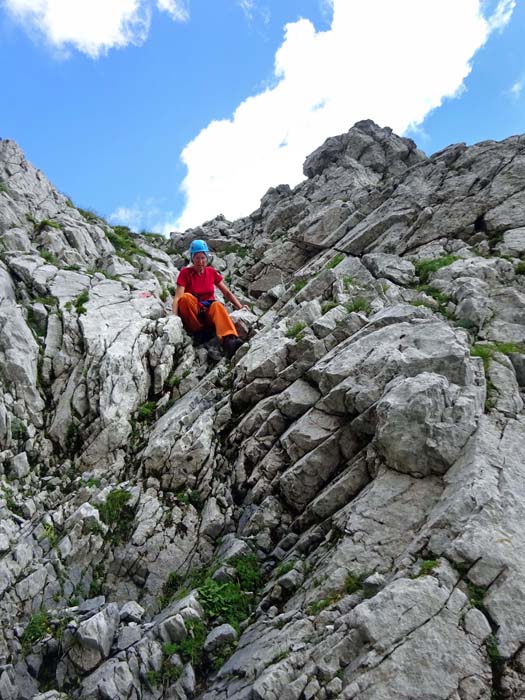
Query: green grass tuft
{"points": [[487, 350], [116, 513], [424, 268], [295, 330], [300, 284], [328, 306], [37, 628], [49, 257], [358, 304], [146, 412], [427, 565], [81, 299], [334, 262], [123, 240]]}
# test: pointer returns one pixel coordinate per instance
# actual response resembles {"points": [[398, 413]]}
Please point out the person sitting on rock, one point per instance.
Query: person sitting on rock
{"points": [[202, 315]]}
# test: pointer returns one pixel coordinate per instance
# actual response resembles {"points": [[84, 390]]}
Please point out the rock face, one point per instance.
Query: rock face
{"points": [[339, 511]]}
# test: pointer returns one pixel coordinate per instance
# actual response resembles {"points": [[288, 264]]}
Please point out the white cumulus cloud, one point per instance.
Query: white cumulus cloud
{"points": [[389, 61], [90, 26], [517, 88]]}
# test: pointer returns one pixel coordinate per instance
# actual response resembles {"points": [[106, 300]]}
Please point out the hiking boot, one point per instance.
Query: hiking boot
{"points": [[203, 336], [230, 345]]}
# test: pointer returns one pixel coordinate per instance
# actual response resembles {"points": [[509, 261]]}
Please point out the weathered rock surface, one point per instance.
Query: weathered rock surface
{"points": [[336, 513]]}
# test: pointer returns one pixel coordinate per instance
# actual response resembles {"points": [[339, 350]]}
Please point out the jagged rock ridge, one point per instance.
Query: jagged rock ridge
{"points": [[338, 513]]}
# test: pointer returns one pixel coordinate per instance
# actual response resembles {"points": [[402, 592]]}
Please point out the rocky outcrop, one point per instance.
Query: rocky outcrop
{"points": [[335, 513]]}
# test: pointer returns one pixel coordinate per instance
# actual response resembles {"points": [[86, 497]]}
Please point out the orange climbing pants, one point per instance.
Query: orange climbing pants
{"points": [[214, 316]]}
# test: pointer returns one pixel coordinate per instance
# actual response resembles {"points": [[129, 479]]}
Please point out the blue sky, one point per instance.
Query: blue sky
{"points": [[160, 114]]}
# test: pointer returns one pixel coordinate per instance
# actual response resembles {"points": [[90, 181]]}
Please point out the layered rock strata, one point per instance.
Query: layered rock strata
{"points": [[338, 511]]}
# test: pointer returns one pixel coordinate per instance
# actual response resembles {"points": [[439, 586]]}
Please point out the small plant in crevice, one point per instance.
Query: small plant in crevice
{"points": [[170, 588], [37, 628], [19, 430], [358, 304], [10, 502], [349, 281], [91, 216], [280, 656], [224, 602], [117, 514], [442, 299], [50, 533], [297, 286], [146, 412], [81, 299], [97, 581], [285, 567], [46, 301], [493, 651], [235, 248], [476, 595], [124, 242], [427, 566], [497, 664], [334, 262], [222, 654], [353, 583], [319, 605], [191, 648], [72, 439], [40, 225], [328, 306], [49, 257], [486, 351], [295, 331], [520, 268], [168, 672], [424, 268]]}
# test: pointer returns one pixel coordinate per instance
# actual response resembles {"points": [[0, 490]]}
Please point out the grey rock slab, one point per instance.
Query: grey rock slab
{"points": [[131, 612], [297, 398], [7, 290], [376, 526], [353, 375], [491, 270], [127, 636], [173, 629], [187, 427], [518, 362], [340, 491], [98, 632], [397, 610], [219, 636], [302, 482], [329, 321], [477, 625], [212, 518], [266, 357], [504, 391], [478, 519], [399, 674], [20, 466], [513, 242], [19, 360], [390, 266], [423, 422], [309, 431], [112, 679]]}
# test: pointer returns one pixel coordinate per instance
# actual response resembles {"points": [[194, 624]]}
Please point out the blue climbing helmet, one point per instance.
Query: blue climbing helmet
{"points": [[199, 246]]}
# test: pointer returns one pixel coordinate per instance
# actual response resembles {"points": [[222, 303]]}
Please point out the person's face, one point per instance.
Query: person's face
{"points": [[199, 261]]}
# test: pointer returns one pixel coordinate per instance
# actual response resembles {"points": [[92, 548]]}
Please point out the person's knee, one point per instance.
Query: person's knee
{"points": [[186, 301]]}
